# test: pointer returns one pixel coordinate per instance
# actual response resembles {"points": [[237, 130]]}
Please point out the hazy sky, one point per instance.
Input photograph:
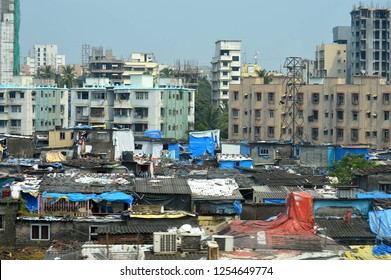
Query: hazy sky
{"points": [[185, 30]]}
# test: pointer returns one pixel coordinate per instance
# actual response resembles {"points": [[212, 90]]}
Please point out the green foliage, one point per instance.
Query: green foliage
{"points": [[208, 117], [267, 79], [46, 72], [68, 77], [343, 168]]}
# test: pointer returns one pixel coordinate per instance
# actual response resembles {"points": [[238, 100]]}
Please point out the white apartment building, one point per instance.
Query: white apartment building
{"points": [[139, 107], [139, 64], [330, 60], [225, 70], [26, 109], [45, 55]]}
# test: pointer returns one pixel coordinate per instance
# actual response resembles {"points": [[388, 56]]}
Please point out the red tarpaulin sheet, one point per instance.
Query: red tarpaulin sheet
{"points": [[298, 218]]}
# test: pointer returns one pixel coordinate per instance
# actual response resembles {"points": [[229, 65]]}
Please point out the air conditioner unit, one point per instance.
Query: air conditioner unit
{"points": [[225, 242], [164, 243], [190, 242]]}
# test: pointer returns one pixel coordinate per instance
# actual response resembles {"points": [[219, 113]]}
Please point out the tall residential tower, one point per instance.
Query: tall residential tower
{"points": [[9, 40], [225, 70]]}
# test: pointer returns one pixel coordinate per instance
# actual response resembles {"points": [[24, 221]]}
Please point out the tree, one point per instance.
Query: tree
{"points": [[343, 168], [46, 72], [267, 79], [207, 116], [167, 73], [68, 76]]}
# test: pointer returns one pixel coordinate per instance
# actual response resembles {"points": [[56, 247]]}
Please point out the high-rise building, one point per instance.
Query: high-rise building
{"points": [[45, 55], [9, 40], [369, 50], [330, 60], [225, 70]]}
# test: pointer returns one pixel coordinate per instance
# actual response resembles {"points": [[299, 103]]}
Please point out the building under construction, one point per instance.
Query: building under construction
{"points": [[9, 40]]}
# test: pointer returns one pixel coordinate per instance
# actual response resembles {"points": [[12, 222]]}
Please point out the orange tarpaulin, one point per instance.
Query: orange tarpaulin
{"points": [[298, 218]]}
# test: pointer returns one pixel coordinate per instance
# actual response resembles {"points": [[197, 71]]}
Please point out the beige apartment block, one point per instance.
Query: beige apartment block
{"points": [[330, 60], [328, 112]]}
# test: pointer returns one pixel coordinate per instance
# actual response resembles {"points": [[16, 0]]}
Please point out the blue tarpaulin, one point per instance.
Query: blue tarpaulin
{"points": [[245, 150], [275, 201], [361, 205], [340, 152], [31, 202], [175, 148], [227, 164], [238, 207], [374, 194], [155, 134], [114, 197], [246, 163], [380, 250], [380, 223], [199, 145]]}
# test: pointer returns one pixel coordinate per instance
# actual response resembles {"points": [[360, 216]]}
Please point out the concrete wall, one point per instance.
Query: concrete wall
{"points": [[9, 212]]}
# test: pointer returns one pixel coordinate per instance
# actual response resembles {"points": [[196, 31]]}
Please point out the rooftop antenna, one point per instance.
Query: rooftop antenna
{"points": [[256, 58]]}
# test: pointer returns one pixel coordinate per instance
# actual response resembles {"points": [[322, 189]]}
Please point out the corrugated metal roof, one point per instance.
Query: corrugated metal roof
{"points": [[356, 228], [163, 186], [214, 189], [373, 170], [129, 229], [177, 256], [93, 183]]}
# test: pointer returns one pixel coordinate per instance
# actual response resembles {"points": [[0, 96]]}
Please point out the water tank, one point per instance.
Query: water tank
{"points": [[127, 156]]}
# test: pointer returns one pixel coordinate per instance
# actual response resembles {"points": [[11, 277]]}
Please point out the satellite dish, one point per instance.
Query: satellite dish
{"points": [[362, 72]]}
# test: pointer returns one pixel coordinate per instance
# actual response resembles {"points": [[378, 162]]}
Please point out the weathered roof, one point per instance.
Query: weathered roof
{"points": [[214, 189], [275, 192], [356, 228], [163, 186], [130, 229], [177, 256], [86, 182], [373, 170]]}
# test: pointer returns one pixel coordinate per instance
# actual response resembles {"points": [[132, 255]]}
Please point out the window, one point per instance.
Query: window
{"points": [[385, 187], [235, 113], [314, 133], [235, 129], [16, 123], [257, 114], [386, 115], [354, 134], [21, 95], [236, 95], [340, 98], [271, 114], [315, 98], [339, 133], [12, 94], [355, 115], [99, 95], [257, 130], [62, 135], [263, 151], [270, 131], [82, 95], [39, 232], [270, 97], [386, 98], [355, 97], [386, 134], [235, 58], [142, 95], [315, 115], [259, 96], [340, 115]]}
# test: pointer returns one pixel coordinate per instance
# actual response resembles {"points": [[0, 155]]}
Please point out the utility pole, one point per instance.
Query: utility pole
{"points": [[292, 124]]}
